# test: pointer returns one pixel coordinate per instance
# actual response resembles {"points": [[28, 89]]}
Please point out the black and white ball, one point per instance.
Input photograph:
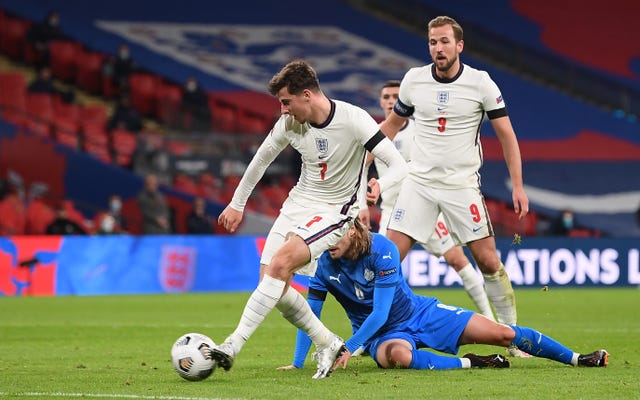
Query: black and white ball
{"points": [[190, 357]]}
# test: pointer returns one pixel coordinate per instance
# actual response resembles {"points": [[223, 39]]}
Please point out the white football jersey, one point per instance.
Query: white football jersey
{"points": [[403, 141], [332, 156], [446, 151]]}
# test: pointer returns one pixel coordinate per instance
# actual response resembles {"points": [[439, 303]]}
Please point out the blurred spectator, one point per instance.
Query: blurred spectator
{"points": [[125, 116], [111, 221], [63, 224], [154, 209], [198, 222], [119, 68], [195, 107], [563, 223], [43, 83], [107, 225], [13, 218], [41, 33], [115, 210], [638, 216]]}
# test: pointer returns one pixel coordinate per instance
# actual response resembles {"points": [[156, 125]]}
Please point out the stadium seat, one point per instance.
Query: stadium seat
{"points": [[178, 148], [97, 150], [143, 89], [89, 71], [64, 58], [37, 127], [169, 99], [66, 132], [223, 116], [40, 106], [186, 184], [66, 110], [38, 216], [12, 216], [94, 113], [13, 40], [124, 144], [13, 91], [252, 124]]}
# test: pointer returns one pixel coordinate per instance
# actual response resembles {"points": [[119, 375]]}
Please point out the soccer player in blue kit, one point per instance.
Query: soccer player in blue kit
{"points": [[362, 271]]}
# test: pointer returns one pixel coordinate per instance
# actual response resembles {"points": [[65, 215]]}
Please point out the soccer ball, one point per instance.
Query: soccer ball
{"points": [[190, 358]]}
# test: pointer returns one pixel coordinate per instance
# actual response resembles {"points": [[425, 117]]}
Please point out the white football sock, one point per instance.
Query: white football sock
{"points": [[295, 309], [263, 299], [474, 286], [501, 296]]}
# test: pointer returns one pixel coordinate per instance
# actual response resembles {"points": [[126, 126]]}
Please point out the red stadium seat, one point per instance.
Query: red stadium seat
{"points": [[143, 89], [13, 217], [37, 127], [64, 58], [67, 132], [66, 110], [13, 91], [186, 184], [94, 113], [13, 40], [169, 99], [224, 117], [40, 106], [38, 216], [89, 71], [124, 144]]}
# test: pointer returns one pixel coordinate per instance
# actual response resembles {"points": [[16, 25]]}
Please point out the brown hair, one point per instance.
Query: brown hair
{"points": [[296, 76], [391, 83], [360, 242], [444, 20]]}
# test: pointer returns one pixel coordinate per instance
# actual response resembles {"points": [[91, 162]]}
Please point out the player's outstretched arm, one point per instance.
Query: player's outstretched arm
{"points": [[511, 150]]}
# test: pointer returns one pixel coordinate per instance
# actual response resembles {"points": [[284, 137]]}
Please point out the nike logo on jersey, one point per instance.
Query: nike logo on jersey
{"points": [[335, 278], [442, 108], [387, 256], [476, 229]]}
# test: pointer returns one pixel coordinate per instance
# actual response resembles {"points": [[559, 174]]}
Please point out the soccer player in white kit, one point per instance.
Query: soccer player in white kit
{"points": [[332, 138], [448, 100], [440, 243]]}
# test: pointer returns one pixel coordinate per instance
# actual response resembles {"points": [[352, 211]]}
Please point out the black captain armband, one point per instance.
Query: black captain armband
{"points": [[316, 294], [500, 112], [373, 142]]}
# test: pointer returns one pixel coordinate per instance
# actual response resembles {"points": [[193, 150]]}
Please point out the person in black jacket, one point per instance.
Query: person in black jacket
{"points": [[198, 222]]}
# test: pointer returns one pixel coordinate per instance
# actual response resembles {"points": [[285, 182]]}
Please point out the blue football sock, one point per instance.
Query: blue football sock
{"points": [[422, 359], [539, 345]]}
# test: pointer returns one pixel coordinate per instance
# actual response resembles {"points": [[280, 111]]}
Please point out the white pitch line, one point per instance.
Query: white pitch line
{"points": [[110, 396]]}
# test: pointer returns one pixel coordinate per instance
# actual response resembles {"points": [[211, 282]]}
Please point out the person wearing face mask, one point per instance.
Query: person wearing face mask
{"points": [[563, 224], [118, 68], [42, 33], [195, 107], [111, 220]]}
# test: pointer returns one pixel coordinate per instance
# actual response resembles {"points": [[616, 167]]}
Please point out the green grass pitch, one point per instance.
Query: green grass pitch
{"points": [[117, 347]]}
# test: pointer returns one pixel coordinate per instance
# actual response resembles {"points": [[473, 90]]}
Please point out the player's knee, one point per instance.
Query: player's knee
{"points": [[505, 335], [398, 356]]}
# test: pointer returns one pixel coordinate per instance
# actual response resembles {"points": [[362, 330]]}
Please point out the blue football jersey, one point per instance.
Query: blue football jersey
{"points": [[352, 283]]}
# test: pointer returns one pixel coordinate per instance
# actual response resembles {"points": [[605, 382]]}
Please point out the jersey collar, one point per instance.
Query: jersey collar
{"points": [[446, 80]]}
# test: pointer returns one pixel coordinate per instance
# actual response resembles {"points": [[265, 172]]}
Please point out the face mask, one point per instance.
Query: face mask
{"points": [[116, 205], [567, 221], [191, 86], [124, 54], [54, 22]]}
